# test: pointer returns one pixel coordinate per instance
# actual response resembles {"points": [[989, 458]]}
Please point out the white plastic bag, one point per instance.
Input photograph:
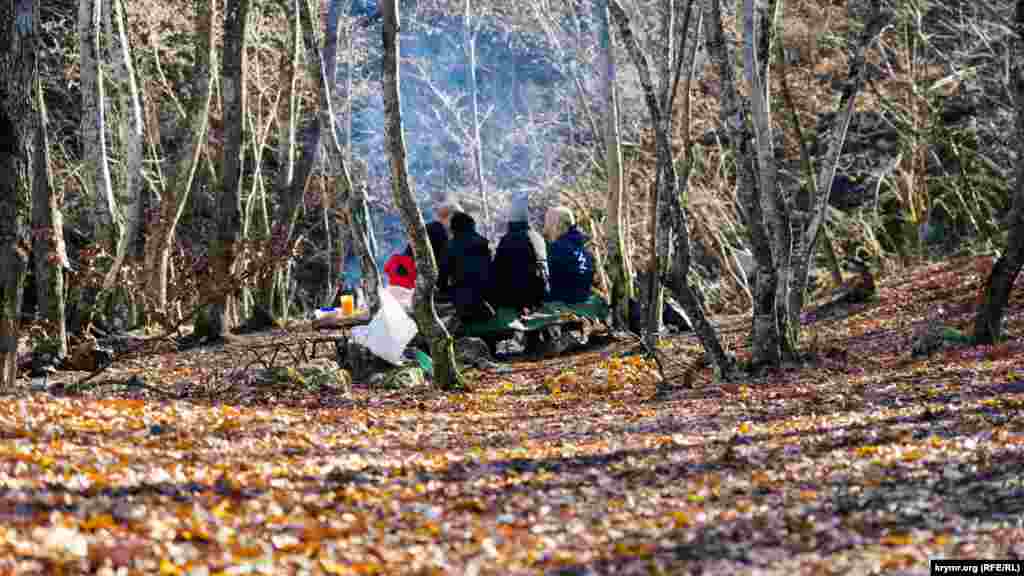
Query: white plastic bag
{"points": [[360, 335], [403, 296], [390, 330]]}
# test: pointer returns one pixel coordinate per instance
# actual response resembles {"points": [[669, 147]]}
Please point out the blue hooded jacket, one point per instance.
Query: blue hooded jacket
{"points": [[571, 267]]}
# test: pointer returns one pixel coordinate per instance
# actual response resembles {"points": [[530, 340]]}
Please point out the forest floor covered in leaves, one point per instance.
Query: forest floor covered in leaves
{"points": [[864, 460]]}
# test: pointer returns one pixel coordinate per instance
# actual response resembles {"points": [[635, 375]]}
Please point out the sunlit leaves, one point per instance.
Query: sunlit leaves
{"points": [[557, 464]]}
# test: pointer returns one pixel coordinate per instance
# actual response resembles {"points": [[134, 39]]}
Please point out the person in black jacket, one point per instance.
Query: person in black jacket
{"points": [[520, 270], [438, 232], [469, 264]]}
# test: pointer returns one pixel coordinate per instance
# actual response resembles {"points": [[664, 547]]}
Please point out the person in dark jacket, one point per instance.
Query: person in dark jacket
{"points": [[570, 262], [520, 270], [469, 264], [438, 235], [438, 232]]}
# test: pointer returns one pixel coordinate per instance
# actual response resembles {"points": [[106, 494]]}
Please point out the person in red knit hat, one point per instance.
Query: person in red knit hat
{"points": [[401, 269]]}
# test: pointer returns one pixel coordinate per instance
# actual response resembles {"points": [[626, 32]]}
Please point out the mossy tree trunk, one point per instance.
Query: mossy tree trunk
{"points": [[223, 312], [48, 250], [109, 222], [19, 71], [130, 128], [446, 372], [615, 231]]}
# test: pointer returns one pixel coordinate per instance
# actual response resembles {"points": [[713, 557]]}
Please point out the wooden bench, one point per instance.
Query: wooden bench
{"points": [[507, 322]]}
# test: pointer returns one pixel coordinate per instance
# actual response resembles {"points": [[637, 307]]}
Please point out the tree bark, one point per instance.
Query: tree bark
{"points": [[766, 345], [274, 293], [773, 205], [469, 39], [285, 221], [131, 129], [802, 205], [179, 184], [48, 250], [446, 372], [229, 216], [618, 259], [805, 242], [668, 180], [19, 71], [94, 142], [93, 155], [988, 322]]}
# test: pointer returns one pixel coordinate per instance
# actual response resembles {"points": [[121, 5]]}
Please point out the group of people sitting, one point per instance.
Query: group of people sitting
{"points": [[526, 270]]}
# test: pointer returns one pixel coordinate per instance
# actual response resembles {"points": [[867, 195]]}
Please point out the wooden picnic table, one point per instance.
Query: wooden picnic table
{"points": [[303, 347]]}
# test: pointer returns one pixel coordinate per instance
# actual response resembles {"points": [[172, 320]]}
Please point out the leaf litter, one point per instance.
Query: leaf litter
{"points": [[861, 460]]}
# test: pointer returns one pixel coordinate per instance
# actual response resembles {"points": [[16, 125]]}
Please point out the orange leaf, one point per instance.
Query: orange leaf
{"points": [[681, 519], [98, 522], [335, 568], [897, 540], [865, 451], [898, 562], [168, 568], [913, 455], [471, 505]]}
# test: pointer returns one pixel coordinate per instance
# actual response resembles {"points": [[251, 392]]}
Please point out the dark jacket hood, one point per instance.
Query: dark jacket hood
{"points": [[462, 223], [575, 235]]}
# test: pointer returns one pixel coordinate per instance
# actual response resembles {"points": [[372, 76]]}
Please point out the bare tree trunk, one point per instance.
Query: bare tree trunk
{"points": [[89, 80], [124, 69], [179, 185], [302, 170], [255, 203], [328, 203], [229, 217], [773, 206], [344, 102], [446, 372], [662, 231], [94, 104], [621, 292], [802, 205], [48, 251], [667, 184], [836, 137], [988, 322], [275, 286], [19, 71], [299, 169], [766, 345], [469, 39], [363, 242]]}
